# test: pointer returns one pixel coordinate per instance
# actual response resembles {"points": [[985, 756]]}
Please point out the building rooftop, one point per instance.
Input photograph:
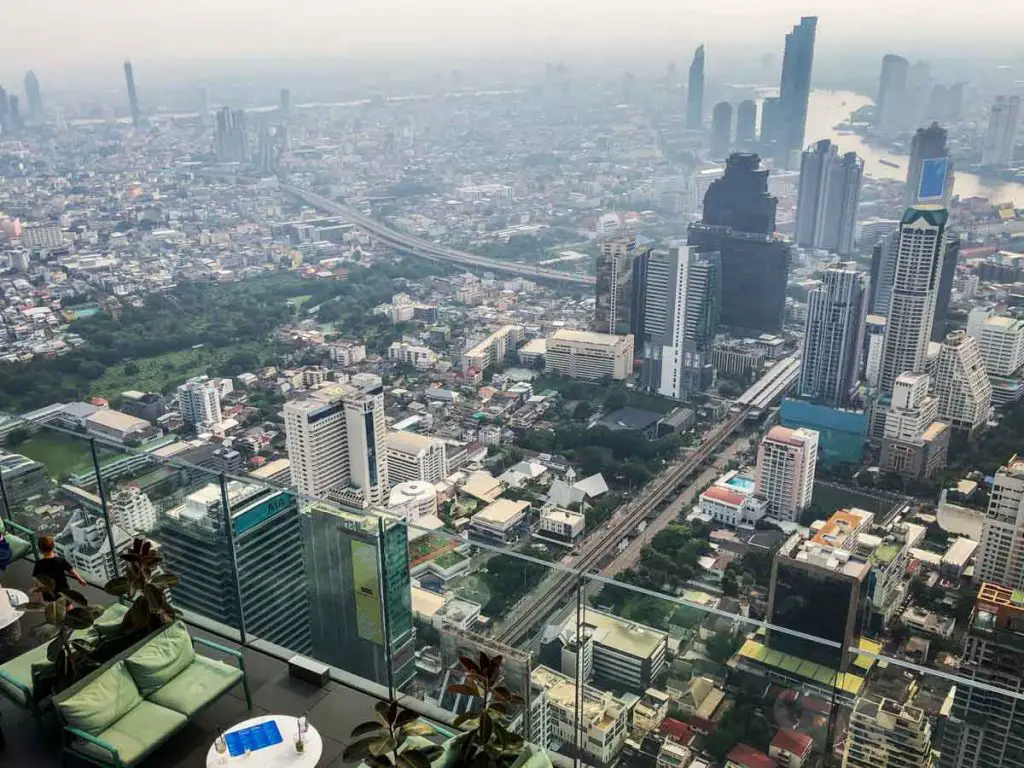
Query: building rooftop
{"points": [[501, 511], [839, 529], [271, 468], [586, 337], [410, 442], [795, 437], [117, 420], [627, 636], [724, 495]]}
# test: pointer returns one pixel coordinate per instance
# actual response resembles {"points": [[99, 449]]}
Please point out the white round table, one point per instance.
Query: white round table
{"points": [[281, 755], [17, 597]]}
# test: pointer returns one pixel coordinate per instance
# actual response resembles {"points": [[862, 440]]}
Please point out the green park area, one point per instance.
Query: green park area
{"points": [[61, 455]]}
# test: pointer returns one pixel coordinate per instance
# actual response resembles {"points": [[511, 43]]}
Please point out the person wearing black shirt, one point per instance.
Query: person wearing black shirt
{"points": [[54, 567]]}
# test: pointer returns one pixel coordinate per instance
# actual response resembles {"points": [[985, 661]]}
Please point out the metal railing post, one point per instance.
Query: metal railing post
{"points": [[102, 493], [382, 585], [229, 532]]}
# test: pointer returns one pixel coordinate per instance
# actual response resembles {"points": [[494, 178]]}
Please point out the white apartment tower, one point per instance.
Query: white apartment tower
{"points": [[919, 257], [962, 387], [199, 400], [131, 509], [829, 193], [1002, 345], [1000, 557], [884, 733], [786, 462], [1002, 131], [589, 356]]}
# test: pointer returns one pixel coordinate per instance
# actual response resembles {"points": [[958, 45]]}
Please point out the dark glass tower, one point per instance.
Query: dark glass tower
{"points": [[695, 91], [746, 125], [740, 199], [721, 129], [930, 170], [133, 97], [795, 87]]}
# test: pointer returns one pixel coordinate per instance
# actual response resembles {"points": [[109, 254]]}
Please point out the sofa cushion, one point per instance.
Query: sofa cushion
{"points": [[102, 702], [108, 624], [20, 669], [19, 547], [161, 659], [198, 685], [136, 734]]}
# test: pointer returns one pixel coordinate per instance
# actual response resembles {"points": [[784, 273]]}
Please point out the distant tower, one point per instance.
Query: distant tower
{"points": [[829, 193], [35, 97], [695, 91], [892, 92], [284, 104], [133, 97], [795, 86], [721, 130], [232, 138], [14, 115], [961, 384], [746, 125], [5, 113], [1002, 131], [930, 171]]}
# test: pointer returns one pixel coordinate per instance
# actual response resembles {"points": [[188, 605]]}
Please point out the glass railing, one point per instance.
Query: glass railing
{"points": [[683, 650]]}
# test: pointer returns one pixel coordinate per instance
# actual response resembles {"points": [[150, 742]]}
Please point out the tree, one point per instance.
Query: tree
{"points": [[721, 647], [582, 411], [616, 399], [730, 587]]}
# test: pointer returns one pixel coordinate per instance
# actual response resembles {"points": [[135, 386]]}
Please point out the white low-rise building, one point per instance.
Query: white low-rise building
{"points": [[413, 500], [731, 501], [500, 519], [421, 358], [560, 525]]}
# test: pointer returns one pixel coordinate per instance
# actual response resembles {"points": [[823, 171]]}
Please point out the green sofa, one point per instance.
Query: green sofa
{"points": [[26, 679], [119, 714], [21, 539]]}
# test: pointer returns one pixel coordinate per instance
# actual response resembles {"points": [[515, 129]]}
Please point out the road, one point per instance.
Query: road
{"points": [[419, 247], [559, 583]]}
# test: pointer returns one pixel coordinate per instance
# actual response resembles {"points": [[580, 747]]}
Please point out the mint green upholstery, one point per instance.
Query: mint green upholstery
{"points": [[109, 622], [102, 702], [136, 734], [20, 548], [21, 539], [162, 659], [201, 683], [16, 675]]}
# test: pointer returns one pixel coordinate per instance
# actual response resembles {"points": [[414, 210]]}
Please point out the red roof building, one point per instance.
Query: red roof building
{"points": [[677, 731], [745, 756], [790, 748]]}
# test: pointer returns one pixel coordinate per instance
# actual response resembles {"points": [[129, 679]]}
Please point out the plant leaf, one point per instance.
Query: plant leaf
{"points": [[413, 759], [383, 745], [495, 665], [365, 728], [464, 717], [117, 587], [357, 750], [379, 761], [76, 597], [485, 727], [406, 716], [78, 618], [54, 651], [469, 689], [469, 664], [381, 707], [165, 580]]}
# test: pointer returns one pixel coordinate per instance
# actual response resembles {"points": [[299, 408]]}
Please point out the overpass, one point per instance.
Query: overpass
{"points": [[771, 385], [417, 246]]}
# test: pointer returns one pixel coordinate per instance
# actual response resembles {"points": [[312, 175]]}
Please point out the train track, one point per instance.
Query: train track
{"points": [[548, 597]]}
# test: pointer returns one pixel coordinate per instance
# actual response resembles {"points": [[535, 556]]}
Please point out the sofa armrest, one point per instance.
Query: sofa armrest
{"points": [[24, 532], [96, 742], [236, 654], [21, 687]]}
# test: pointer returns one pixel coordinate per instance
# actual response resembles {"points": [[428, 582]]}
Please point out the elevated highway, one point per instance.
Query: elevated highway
{"points": [[417, 246]]}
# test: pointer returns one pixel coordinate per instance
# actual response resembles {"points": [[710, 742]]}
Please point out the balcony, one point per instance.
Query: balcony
{"points": [[275, 575]]}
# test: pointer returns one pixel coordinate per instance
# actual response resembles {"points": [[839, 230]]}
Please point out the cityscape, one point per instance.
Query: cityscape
{"points": [[693, 393]]}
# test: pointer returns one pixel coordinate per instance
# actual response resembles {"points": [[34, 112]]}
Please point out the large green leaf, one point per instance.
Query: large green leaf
{"points": [[165, 580], [383, 745], [468, 689], [54, 650], [75, 597], [413, 759], [358, 750], [465, 717], [365, 728], [78, 618], [417, 729], [469, 664], [118, 587]]}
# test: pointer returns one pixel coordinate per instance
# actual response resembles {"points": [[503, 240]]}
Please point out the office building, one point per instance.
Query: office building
{"points": [[795, 88], [816, 589], [890, 104], [771, 125], [695, 91], [944, 291], [677, 318], [886, 733], [826, 211], [34, 96], [14, 114], [1001, 550], [199, 402], [23, 478], [916, 276], [284, 104], [930, 170], [613, 311], [961, 384], [133, 96], [738, 224], [1002, 345], [415, 457], [883, 272], [833, 336], [420, 358], [746, 125], [721, 130], [1003, 122], [985, 729], [268, 590], [786, 462], [360, 594], [5, 113], [914, 442], [231, 140], [336, 443], [493, 350], [42, 236], [589, 356]]}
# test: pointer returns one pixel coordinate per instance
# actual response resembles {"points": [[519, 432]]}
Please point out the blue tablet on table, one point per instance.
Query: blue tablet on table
{"points": [[253, 738]]}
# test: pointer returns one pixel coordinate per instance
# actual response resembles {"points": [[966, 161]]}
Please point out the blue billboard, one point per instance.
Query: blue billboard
{"points": [[266, 509], [933, 179]]}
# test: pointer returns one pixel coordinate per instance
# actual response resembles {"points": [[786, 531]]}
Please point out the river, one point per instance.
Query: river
{"points": [[829, 108]]}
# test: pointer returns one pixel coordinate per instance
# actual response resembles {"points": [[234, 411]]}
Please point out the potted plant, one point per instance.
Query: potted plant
{"points": [[391, 740], [146, 584], [71, 656]]}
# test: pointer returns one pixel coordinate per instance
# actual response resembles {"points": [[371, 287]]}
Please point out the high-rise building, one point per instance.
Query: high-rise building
{"points": [[1002, 345], [133, 96], [826, 209], [795, 88], [5, 113], [833, 336], [885, 733], [613, 310], [721, 130], [1001, 550], [336, 438], [199, 401], [883, 272], [786, 462], [746, 125], [678, 292], [284, 104], [232, 137], [961, 384], [34, 96], [916, 276], [1002, 131], [930, 170], [890, 116], [985, 729], [14, 114], [695, 91], [940, 318], [267, 543], [956, 100], [771, 125], [738, 224], [914, 443], [590, 356], [85, 542], [360, 593], [414, 457]]}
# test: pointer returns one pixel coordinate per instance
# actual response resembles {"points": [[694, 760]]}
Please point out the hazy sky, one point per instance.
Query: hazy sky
{"points": [[54, 35]]}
